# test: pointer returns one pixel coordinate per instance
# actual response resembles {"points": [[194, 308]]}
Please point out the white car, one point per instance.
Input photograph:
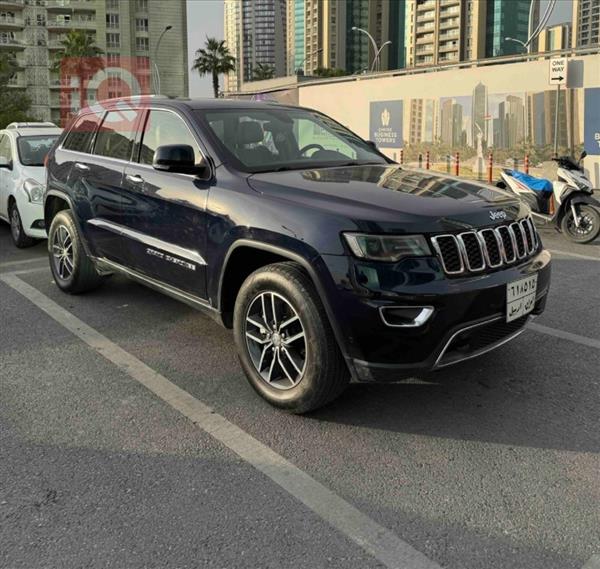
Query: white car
{"points": [[22, 180]]}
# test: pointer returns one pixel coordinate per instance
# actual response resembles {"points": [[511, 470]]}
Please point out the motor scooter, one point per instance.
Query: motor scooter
{"points": [[567, 202]]}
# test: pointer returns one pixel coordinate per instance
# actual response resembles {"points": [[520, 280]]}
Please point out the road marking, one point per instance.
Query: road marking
{"points": [[593, 563], [563, 335], [576, 255], [378, 541], [23, 262]]}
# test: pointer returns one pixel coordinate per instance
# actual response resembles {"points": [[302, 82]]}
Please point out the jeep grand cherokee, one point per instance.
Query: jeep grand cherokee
{"points": [[328, 260]]}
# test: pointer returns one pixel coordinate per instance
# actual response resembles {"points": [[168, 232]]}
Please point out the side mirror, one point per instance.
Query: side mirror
{"points": [[6, 163], [583, 155], [372, 144], [177, 158]]}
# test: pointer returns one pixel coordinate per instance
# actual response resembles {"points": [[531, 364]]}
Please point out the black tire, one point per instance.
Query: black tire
{"points": [[79, 274], [323, 374], [589, 225], [17, 232]]}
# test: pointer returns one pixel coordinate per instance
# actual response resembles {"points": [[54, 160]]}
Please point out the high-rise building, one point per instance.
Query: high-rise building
{"points": [[586, 23], [479, 114], [34, 31], [446, 31], [422, 120], [555, 38], [255, 33], [232, 11], [324, 34], [384, 21]]}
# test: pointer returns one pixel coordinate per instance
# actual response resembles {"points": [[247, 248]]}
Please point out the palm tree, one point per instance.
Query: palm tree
{"points": [[79, 57], [213, 59], [262, 71]]}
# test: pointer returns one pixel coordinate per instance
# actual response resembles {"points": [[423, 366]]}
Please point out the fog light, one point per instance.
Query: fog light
{"points": [[405, 316], [38, 224]]}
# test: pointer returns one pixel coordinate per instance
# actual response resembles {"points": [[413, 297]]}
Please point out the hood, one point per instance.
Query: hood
{"points": [[37, 173], [392, 198]]}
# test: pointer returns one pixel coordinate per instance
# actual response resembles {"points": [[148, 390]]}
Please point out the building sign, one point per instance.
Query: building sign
{"points": [[591, 123], [385, 123]]}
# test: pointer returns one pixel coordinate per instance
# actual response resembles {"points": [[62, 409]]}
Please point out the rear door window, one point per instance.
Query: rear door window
{"points": [[81, 135], [115, 137]]}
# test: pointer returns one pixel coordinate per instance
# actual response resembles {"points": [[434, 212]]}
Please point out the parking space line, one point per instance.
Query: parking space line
{"points": [[576, 255], [564, 335], [377, 540], [22, 262], [593, 563]]}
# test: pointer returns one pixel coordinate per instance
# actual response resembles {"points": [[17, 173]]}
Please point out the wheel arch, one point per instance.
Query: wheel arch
{"points": [[238, 265], [53, 203]]}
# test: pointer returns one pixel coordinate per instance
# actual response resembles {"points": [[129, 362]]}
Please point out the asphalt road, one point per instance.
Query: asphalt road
{"points": [[490, 464]]}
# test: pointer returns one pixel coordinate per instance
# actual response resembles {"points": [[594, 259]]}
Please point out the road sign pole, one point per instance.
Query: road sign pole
{"points": [[556, 121]]}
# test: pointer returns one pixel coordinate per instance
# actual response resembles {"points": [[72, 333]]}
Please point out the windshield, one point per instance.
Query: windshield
{"points": [[263, 140], [33, 149]]}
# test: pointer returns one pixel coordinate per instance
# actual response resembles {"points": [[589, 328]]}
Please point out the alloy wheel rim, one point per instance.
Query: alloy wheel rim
{"points": [[15, 223], [276, 340], [62, 252]]}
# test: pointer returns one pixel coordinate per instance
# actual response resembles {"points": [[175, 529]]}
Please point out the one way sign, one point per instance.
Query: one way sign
{"points": [[558, 71]]}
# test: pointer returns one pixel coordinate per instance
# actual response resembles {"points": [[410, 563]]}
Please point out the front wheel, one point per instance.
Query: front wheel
{"points": [[285, 342], [587, 227], [17, 232]]}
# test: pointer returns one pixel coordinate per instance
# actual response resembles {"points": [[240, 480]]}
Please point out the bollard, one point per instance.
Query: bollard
{"points": [[526, 163], [448, 163], [427, 160], [490, 167], [516, 164], [457, 164], [402, 156], [420, 160]]}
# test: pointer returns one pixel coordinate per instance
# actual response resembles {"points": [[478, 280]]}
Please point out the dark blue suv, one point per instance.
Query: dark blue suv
{"points": [[329, 261]]}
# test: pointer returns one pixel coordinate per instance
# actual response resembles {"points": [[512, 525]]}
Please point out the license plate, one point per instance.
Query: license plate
{"points": [[520, 297]]}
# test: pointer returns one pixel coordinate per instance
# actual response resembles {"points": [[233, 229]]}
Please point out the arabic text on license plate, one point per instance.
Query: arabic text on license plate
{"points": [[520, 297]]}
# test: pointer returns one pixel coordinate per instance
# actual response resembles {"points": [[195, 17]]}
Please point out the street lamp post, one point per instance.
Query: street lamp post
{"points": [[373, 43], [156, 77], [379, 53], [521, 43], [301, 66]]}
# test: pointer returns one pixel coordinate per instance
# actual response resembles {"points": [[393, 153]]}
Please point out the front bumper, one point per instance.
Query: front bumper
{"points": [[32, 218], [469, 315]]}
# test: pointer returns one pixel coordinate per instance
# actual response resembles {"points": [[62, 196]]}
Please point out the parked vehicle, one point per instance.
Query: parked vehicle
{"points": [[567, 202], [327, 259], [23, 178]]}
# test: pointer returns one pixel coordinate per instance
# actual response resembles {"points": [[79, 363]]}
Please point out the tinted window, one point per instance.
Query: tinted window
{"points": [[81, 135], [115, 137], [33, 149], [164, 127], [273, 139]]}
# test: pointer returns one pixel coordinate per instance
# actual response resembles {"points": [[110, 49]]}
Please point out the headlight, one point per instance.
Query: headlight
{"points": [[35, 190], [387, 247]]}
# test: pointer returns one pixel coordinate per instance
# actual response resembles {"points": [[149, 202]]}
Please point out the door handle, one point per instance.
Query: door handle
{"points": [[137, 179], [81, 166]]}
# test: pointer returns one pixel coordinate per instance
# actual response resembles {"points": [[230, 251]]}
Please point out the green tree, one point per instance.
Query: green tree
{"points": [[329, 72], [79, 57], [15, 103], [262, 71], [213, 59]]}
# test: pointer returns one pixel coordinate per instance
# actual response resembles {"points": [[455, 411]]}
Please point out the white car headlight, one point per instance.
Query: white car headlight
{"points": [[34, 190], [387, 247]]}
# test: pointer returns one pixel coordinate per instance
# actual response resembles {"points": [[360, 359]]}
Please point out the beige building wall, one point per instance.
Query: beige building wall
{"points": [[233, 39], [555, 38], [34, 31]]}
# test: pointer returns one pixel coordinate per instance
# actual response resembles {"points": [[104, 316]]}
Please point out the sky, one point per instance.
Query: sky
{"points": [[205, 18]]}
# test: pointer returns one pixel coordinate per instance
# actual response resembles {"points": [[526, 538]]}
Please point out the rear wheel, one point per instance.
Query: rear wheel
{"points": [[17, 232], [72, 269], [587, 227], [284, 340]]}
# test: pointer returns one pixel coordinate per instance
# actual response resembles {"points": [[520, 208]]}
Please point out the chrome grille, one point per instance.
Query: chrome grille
{"points": [[489, 248]]}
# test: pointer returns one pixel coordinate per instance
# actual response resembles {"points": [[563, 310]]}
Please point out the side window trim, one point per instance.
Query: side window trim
{"points": [[89, 151], [95, 139]]}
